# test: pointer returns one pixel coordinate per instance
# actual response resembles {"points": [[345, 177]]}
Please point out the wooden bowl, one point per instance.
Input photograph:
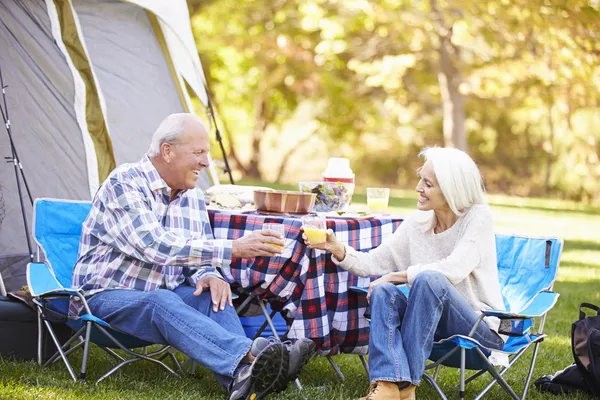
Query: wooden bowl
{"points": [[284, 201]]}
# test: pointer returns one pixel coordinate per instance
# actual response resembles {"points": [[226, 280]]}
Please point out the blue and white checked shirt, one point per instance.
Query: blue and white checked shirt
{"points": [[135, 238]]}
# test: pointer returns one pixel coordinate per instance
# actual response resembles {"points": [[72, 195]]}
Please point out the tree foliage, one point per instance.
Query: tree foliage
{"points": [[516, 83]]}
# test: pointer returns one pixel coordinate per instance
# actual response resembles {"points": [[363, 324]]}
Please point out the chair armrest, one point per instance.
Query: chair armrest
{"points": [[42, 282], [359, 289], [538, 306]]}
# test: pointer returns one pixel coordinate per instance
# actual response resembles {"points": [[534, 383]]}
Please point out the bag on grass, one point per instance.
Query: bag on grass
{"points": [[584, 375]]}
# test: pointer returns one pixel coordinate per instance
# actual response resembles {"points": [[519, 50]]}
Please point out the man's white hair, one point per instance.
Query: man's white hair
{"points": [[458, 176], [170, 130]]}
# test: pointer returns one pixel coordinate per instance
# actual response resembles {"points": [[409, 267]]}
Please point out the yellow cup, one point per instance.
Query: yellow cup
{"points": [[378, 199], [315, 228], [315, 235]]}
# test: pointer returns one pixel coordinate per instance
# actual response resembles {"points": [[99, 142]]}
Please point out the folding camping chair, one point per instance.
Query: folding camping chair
{"points": [[57, 226], [527, 268]]}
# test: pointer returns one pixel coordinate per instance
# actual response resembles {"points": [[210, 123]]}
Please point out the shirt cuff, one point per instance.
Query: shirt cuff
{"points": [[203, 273], [412, 272], [347, 252]]}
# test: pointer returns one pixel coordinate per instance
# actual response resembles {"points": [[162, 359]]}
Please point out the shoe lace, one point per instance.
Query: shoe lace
{"points": [[373, 389]]}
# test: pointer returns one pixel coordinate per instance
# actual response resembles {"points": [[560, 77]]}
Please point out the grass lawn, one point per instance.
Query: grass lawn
{"points": [[578, 281]]}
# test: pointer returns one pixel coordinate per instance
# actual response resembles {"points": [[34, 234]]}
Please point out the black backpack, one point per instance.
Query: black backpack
{"points": [[584, 375]]}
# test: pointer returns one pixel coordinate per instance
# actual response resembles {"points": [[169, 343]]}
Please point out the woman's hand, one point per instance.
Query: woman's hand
{"points": [[331, 244], [393, 277]]}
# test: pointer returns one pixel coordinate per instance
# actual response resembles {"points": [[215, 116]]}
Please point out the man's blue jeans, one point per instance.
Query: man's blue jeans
{"points": [[403, 330], [215, 340]]}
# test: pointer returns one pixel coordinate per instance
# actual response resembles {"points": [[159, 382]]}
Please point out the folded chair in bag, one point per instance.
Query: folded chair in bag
{"points": [[527, 268], [57, 226]]}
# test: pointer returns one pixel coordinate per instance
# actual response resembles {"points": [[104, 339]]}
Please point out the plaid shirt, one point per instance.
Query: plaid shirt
{"points": [[135, 238]]}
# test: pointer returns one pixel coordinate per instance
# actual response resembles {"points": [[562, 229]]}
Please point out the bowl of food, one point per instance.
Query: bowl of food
{"points": [[330, 196], [284, 201]]}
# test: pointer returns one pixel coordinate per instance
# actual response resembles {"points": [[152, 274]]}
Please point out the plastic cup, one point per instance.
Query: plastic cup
{"points": [[277, 228], [315, 228], [378, 199]]}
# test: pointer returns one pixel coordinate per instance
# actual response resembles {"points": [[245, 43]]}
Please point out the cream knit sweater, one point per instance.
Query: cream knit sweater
{"points": [[465, 253]]}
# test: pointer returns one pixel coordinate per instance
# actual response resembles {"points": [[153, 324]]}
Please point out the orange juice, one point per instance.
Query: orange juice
{"points": [[315, 235], [377, 206]]}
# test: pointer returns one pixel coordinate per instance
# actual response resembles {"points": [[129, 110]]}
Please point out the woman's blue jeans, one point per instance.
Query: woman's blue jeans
{"points": [[215, 340], [403, 329]]}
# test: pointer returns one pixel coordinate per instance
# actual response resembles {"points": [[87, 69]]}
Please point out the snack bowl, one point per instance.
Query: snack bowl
{"points": [[284, 201], [330, 196]]}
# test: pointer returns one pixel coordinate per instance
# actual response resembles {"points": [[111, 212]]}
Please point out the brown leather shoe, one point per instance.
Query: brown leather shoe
{"points": [[382, 390], [408, 393]]}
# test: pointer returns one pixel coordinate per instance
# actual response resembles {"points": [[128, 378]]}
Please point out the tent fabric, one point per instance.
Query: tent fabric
{"points": [[133, 73], [66, 30], [175, 22], [89, 81], [45, 131]]}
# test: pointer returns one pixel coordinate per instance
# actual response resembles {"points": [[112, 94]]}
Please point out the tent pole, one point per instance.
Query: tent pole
{"points": [[17, 165], [211, 115]]}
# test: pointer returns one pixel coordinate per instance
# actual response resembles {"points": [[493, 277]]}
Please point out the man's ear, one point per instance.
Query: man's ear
{"points": [[166, 151]]}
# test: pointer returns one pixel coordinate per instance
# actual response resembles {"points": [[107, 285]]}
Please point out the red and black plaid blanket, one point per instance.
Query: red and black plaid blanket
{"points": [[305, 284]]}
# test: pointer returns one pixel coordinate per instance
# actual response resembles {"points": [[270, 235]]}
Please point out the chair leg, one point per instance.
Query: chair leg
{"points": [[60, 350], [496, 375], [435, 386], [364, 363], [461, 390], [86, 349], [529, 376], [336, 368], [436, 372], [40, 357]]}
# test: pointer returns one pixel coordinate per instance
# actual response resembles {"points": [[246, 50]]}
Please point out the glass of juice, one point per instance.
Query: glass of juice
{"points": [[377, 200], [280, 228], [315, 228]]}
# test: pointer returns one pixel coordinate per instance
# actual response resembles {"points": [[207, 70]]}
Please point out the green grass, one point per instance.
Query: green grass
{"points": [[578, 281]]}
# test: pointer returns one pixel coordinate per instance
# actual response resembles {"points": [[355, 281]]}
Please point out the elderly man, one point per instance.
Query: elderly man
{"points": [[148, 265]]}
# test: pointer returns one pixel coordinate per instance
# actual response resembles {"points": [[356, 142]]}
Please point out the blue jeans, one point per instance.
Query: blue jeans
{"points": [[403, 330], [215, 340]]}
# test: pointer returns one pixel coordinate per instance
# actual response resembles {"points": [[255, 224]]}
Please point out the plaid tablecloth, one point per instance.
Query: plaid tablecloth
{"points": [[304, 283]]}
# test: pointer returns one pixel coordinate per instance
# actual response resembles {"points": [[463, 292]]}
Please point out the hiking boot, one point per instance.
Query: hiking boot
{"points": [[267, 374], [408, 393], [383, 390], [300, 353]]}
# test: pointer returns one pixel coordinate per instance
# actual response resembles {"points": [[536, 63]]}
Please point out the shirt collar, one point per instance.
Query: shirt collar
{"points": [[155, 181]]}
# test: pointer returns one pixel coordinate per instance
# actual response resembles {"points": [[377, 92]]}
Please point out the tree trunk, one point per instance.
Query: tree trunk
{"points": [[253, 170], [452, 99], [550, 147], [450, 79], [289, 153]]}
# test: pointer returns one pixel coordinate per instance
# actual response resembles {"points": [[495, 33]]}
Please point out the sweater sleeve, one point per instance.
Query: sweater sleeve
{"points": [[390, 256], [467, 255]]}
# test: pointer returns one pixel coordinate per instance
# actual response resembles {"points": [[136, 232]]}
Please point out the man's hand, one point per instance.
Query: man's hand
{"points": [[257, 244], [393, 277], [220, 292]]}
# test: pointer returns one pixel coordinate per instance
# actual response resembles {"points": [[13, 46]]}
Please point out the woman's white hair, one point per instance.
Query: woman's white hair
{"points": [[458, 176], [169, 131]]}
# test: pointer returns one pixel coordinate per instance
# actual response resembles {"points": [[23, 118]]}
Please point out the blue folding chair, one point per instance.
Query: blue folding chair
{"points": [[57, 226], [527, 268]]}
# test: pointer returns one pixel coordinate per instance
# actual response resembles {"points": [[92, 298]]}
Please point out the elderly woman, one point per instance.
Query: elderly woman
{"points": [[446, 253]]}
